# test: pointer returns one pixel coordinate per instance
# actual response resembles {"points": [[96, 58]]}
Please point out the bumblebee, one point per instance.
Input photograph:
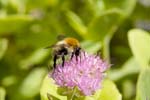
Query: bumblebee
{"points": [[66, 46]]}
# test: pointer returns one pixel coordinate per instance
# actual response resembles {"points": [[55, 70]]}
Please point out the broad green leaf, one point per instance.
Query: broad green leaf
{"points": [[3, 47], [76, 23], [143, 88], [30, 86], [13, 23], [104, 25], [2, 93], [126, 6], [109, 91], [49, 88], [129, 68], [139, 43], [36, 58]]}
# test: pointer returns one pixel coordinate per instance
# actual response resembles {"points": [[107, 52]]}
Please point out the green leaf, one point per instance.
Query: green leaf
{"points": [[91, 47], [36, 58], [138, 41], [13, 23], [143, 88], [126, 6], [130, 67], [30, 86], [2, 93], [76, 23], [104, 25], [49, 87], [109, 91], [3, 47]]}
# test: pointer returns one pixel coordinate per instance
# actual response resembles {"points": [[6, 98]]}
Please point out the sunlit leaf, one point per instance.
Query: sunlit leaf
{"points": [[49, 88], [31, 84], [3, 47], [109, 92], [143, 88], [2, 93], [138, 41]]}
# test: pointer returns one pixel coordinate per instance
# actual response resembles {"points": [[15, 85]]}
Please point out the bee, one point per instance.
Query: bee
{"points": [[66, 46]]}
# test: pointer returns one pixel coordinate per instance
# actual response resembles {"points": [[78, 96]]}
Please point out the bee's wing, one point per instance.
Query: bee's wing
{"points": [[51, 46], [59, 38]]}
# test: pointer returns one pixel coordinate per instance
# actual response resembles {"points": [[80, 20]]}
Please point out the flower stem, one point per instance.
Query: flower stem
{"points": [[71, 97], [106, 53]]}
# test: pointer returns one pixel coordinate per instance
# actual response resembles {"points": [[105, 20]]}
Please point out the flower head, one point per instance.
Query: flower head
{"points": [[86, 73]]}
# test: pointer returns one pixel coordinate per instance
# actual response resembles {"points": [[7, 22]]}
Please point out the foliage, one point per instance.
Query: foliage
{"points": [[118, 28]]}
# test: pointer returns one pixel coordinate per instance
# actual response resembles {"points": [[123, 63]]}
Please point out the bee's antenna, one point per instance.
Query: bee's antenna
{"points": [[51, 46], [72, 55], [63, 60]]}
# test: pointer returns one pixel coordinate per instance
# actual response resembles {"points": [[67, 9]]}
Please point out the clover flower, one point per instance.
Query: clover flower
{"points": [[87, 73]]}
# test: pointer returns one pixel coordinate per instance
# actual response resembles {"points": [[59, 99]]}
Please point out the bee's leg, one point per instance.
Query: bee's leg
{"points": [[72, 55], [55, 59], [77, 53], [80, 56], [63, 60], [76, 56]]}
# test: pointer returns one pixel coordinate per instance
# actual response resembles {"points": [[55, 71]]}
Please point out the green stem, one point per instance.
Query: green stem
{"points": [[72, 95], [106, 52]]}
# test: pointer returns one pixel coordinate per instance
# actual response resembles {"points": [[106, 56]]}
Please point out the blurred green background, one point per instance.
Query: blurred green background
{"points": [[27, 26]]}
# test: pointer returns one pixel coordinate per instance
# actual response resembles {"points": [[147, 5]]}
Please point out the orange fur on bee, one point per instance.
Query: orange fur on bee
{"points": [[72, 42]]}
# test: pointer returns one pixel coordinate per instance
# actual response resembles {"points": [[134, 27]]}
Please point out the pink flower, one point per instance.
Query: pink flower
{"points": [[87, 73]]}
